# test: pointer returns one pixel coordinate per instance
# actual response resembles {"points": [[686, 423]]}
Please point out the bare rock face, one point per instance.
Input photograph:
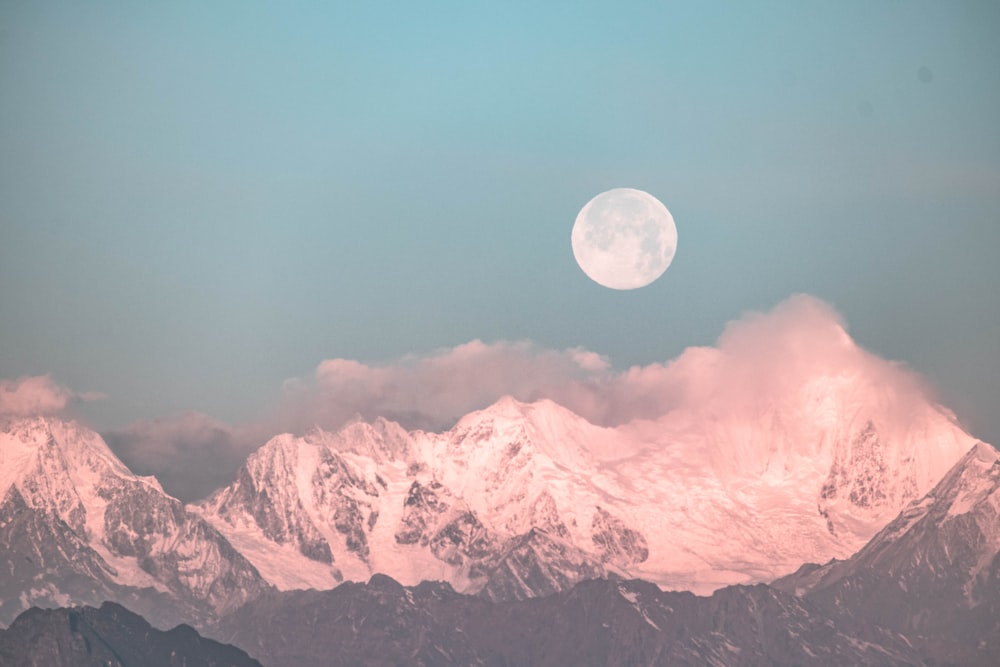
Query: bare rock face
{"points": [[422, 507], [352, 512], [36, 544], [538, 564], [861, 475], [265, 490], [616, 541], [110, 636]]}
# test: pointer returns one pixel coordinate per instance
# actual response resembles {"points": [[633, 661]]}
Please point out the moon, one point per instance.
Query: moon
{"points": [[624, 238]]}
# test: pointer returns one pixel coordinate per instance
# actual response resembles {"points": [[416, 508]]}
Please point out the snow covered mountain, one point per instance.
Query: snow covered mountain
{"points": [[924, 591], [806, 476], [519, 500], [933, 573], [76, 526], [732, 485], [472, 506]]}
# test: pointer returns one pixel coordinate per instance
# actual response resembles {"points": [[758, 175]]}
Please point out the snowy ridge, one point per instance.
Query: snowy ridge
{"points": [[73, 516], [731, 485], [932, 573], [953, 531], [519, 499], [490, 499]]}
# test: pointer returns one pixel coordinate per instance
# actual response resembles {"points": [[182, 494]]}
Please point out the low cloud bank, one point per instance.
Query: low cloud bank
{"points": [[433, 391], [759, 360], [191, 454]]}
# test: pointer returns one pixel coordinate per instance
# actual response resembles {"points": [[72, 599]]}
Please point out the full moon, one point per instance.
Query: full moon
{"points": [[624, 238]]}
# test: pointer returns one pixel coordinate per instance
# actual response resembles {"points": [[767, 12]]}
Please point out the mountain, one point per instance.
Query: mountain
{"points": [[77, 527], [932, 574], [474, 505], [514, 501], [110, 636], [519, 500], [600, 622], [924, 591]]}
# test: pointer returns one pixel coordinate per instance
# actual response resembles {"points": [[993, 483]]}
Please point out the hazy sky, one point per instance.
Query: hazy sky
{"points": [[199, 201]]}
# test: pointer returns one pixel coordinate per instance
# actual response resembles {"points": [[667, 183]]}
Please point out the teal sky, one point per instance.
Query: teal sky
{"points": [[199, 201]]}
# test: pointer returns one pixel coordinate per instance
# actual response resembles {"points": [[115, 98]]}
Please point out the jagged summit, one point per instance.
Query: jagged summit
{"points": [[954, 529], [736, 485], [933, 573], [78, 526], [380, 439], [509, 414], [811, 469], [60, 451]]}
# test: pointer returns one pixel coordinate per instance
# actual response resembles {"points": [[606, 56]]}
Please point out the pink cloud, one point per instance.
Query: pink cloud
{"points": [[760, 357], [760, 361], [38, 395], [434, 390]]}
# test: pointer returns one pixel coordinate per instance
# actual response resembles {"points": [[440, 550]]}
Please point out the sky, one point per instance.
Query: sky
{"points": [[208, 208]]}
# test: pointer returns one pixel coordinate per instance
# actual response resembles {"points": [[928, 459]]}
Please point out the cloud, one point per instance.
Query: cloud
{"points": [[191, 454], [767, 359], [33, 395], [434, 390], [760, 361]]}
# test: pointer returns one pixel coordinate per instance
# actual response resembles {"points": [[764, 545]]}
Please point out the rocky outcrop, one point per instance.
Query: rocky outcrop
{"points": [[110, 636], [595, 623]]}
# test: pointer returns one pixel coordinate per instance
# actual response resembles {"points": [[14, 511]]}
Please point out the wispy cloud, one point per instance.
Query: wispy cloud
{"points": [[38, 395]]}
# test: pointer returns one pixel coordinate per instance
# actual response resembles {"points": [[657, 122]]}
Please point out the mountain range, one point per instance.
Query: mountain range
{"points": [[520, 501], [77, 527], [110, 636], [924, 591]]}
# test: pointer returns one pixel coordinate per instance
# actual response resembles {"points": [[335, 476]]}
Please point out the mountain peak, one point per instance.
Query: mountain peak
{"points": [[77, 516], [973, 479], [543, 414], [939, 560], [505, 407], [983, 453], [56, 449]]}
